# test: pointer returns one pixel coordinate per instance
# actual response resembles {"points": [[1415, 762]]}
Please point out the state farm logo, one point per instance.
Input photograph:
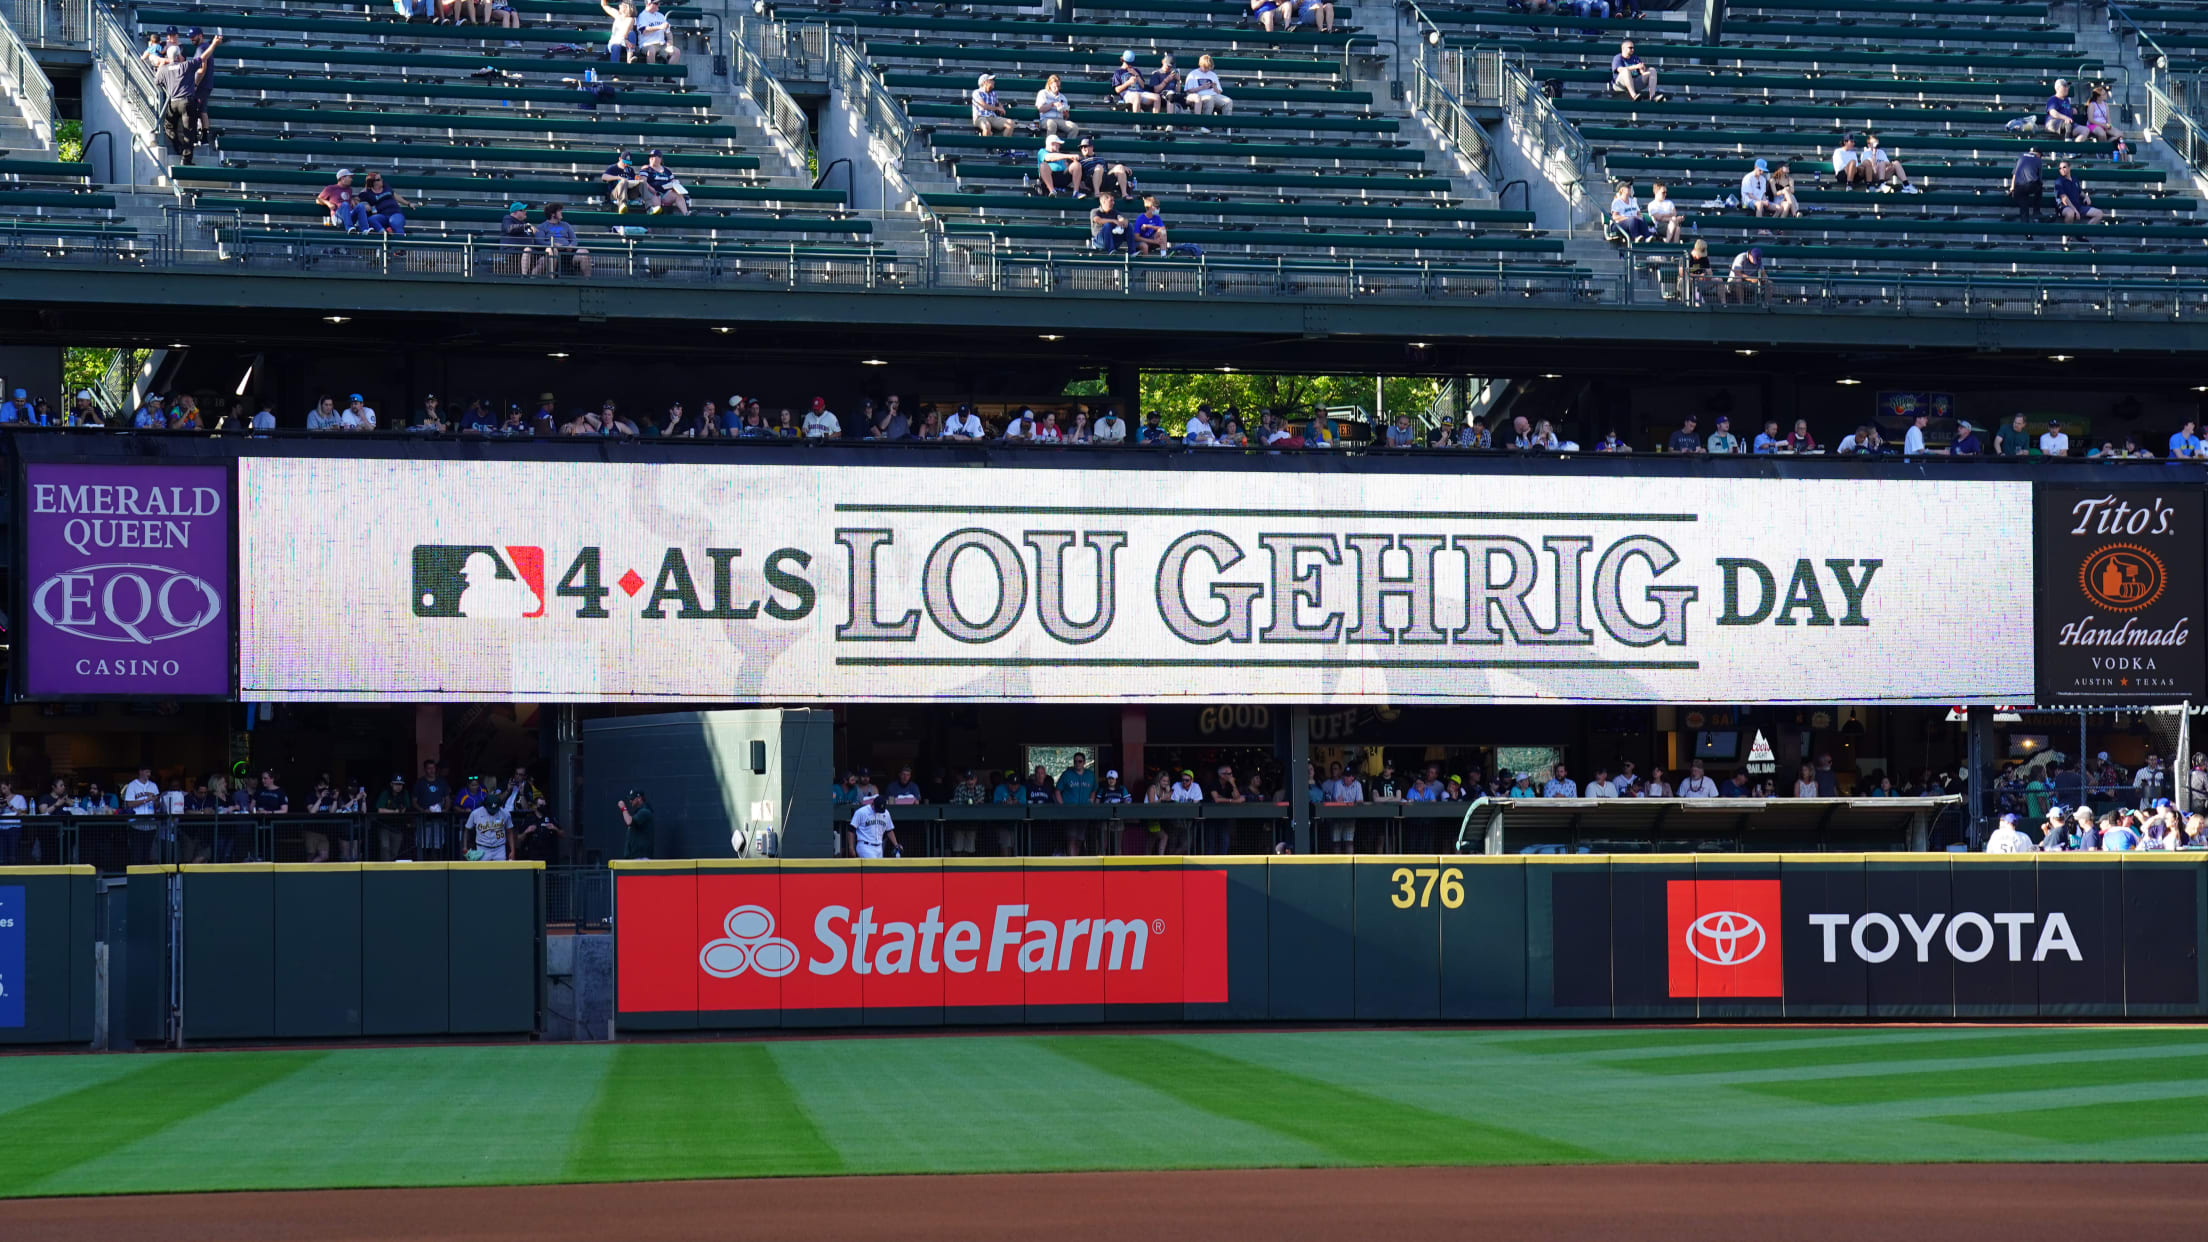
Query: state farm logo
{"points": [[2122, 577], [750, 945], [1725, 938], [124, 602]]}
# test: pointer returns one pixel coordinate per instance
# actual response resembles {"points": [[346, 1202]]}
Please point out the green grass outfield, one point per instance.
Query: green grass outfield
{"points": [[1200, 1099]]}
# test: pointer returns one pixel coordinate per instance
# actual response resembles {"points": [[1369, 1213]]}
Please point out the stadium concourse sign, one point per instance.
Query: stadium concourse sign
{"points": [[471, 580], [2121, 595], [126, 580], [734, 944]]}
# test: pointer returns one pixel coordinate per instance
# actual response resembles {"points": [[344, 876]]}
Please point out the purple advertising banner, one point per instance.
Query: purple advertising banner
{"points": [[127, 580]]}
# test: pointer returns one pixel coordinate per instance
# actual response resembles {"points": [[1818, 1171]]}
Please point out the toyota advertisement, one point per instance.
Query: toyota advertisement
{"points": [[475, 580], [126, 581], [1810, 936]]}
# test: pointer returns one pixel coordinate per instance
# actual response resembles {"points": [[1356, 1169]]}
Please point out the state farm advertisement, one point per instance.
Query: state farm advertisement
{"points": [[126, 580], [894, 938], [472, 580]]}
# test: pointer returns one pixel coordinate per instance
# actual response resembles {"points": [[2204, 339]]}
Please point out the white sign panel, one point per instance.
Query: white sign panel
{"points": [[420, 581]]}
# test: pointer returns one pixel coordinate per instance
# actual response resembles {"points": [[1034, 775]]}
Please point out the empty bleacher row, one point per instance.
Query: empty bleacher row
{"points": [[1309, 166], [1938, 81], [461, 121]]}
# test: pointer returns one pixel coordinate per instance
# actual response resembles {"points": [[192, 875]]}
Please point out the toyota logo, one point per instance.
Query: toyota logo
{"points": [[1725, 938]]}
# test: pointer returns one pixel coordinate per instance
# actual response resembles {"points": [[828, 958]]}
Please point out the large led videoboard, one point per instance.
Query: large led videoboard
{"points": [[364, 579]]}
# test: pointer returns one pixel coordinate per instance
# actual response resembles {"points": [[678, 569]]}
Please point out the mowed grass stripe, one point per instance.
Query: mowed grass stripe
{"points": [[1985, 1080], [696, 1110], [64, 1130], [1353, 1126], [2114, 1121], [1913, 1046], [1572, 1043]]}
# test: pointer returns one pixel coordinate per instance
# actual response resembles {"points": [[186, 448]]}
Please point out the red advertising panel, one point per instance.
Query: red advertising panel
{"points": [[744, 951], [1723, 938], [916, 936]]}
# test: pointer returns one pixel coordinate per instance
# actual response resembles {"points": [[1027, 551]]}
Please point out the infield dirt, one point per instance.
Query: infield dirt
{"points": [[1687, 1203]]}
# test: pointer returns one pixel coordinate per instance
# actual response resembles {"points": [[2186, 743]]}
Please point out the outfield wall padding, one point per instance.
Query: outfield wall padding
{"points": [[46, 955], [336, 950], [758, 944]]}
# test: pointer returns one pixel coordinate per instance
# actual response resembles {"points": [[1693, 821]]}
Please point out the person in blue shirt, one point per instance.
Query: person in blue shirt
{"points": [[2072, 203], [2119, 836], [1769, 440], [2062, 115], [1966, 442], [661, 189], [1131, 89], [20, 410], [1149, 235], [1153, 431], [623, 183], [1054, 163], [1628, 74], [558, 237], [2185, 443], [1166, 84]]}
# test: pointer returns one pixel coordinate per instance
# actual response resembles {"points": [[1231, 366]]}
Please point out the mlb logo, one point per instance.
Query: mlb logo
{"points": [[478, 581], [1723, 938]]}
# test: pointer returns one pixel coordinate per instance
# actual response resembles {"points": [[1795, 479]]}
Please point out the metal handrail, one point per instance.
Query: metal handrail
{"points": [[2169, 119], [116, 52], [1556, 145], [781, 111], [27, 84], [57, 24], [1434, 99], [885, 118]]}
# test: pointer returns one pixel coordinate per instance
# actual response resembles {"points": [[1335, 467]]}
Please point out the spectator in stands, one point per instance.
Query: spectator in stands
{"points": [[821, 422], [2013, 440], [1723, 440], [148, 418], [386, 210], [203, 87], [1273, 14], [2097, 124], [2007, 839], [1767, 441], [2054, 442], [1664, 220], [1625, 214], [1095, 171], [1107, 228], [1755, 189], [1697, 785], [178, 80], [1560, 784], [1749, 271], [346, 212], [661, 190], [1684, 440], [1206, 96], [1318, 13], [655, 43], [20, 410], [2025, 185], [1111, 429], [2072, 202], [1131, 90], [964, 425], [1629, 74], [2184, 444], [1165, 83], [1198, 432], [1864, 440], [1149, 229], [2062, 114], [624, 185], [1694, 271], [1850, 168], [621, 36], [1153, 431], [1612, 442], [1656, 787], [989, 113], [1967, 442], [1053, 115], [514, 235], [1054, 166], [323, 417], [1783, 203], [356, 416], [558, 237], [1885, 166]]}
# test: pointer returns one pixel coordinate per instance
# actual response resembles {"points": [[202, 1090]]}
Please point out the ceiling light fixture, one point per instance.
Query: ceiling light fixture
{"points": [[557, 354], [1848, 383], [1054, 336], [872, 362], [337, 318], [2061, 357], [723, 329], [1745, 353]]}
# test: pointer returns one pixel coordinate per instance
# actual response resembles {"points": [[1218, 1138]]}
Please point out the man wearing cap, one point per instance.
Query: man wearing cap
{"points": [[623, 183], [346, 212], [514, 235], [821, 423], [653, 39], [1131, 90], [2054, 834], [2027, 184], [990, 116], [1967, 442], [1722, 440], [2054, 442], [356, 416], [1056, 167], [964, 425], [636, 817], [178, 80], [1849, 165], [1755, 188], [1094, 170], [871, 828], [661, 190], [2062, 114], [2007, 839]]}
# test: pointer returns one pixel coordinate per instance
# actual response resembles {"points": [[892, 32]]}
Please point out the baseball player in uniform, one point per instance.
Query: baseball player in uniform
{"points": [[491, 829], [871, 826]]}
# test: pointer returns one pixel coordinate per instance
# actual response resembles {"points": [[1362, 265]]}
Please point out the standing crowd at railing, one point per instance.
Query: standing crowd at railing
{"points": [[235, 816]]}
